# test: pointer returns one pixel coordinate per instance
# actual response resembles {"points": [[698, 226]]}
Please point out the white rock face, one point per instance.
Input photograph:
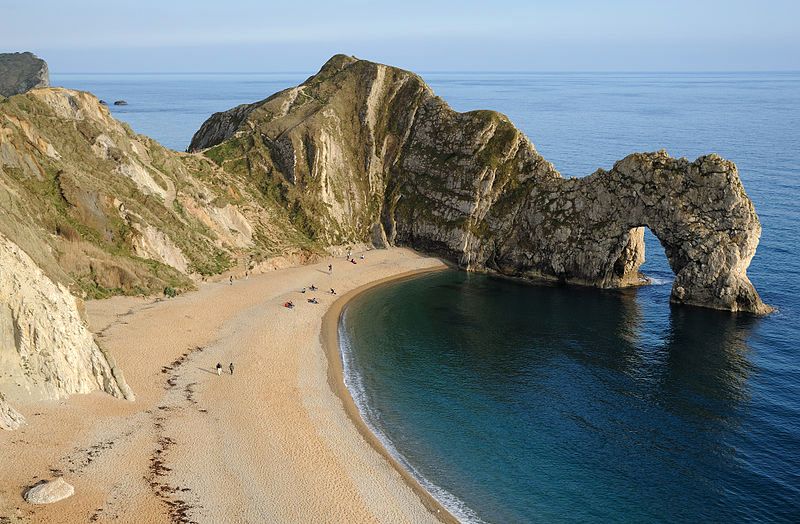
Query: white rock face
{"points": [[46, 350], [9, 417], [156, 245], [49, 492]]}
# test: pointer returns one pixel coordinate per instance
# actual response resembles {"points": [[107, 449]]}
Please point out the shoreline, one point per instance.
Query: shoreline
{"points": [[276, 440], [329, 337]]}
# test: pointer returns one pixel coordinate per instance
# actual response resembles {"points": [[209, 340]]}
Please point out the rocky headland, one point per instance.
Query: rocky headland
{"points": [[360, 153], [366, 152], [21, 72]]}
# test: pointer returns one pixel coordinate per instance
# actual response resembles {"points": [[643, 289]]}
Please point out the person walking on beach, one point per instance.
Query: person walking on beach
{"points": [[231, 368], [231, 280], [219, 369], [330, 269]]}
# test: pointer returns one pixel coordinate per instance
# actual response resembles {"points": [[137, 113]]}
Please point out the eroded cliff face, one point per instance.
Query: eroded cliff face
{"points": [[107, 211], [46, 350], [21, 72], [366, 152]]}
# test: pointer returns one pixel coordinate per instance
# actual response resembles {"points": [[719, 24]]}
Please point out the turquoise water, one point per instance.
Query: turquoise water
{"points": [[523, 403]]}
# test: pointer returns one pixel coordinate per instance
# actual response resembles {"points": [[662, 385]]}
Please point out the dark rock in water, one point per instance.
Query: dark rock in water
{"points": [[120, 103], [364, 151], [103, 102], [21, 72]]}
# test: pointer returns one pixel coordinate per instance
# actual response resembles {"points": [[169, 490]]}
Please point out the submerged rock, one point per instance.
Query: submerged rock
{"points": [[366, 152], [120, 103], [21, 72], [49, 492]]}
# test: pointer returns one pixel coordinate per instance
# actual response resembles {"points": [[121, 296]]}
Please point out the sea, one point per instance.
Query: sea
{"points": [[515, 402]]}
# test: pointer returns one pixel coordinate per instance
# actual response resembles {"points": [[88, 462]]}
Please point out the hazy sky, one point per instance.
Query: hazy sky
{"points": [[248, 35]]}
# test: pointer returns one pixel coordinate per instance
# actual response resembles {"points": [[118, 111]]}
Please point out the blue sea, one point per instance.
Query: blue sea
{"points": [[517, 402]]}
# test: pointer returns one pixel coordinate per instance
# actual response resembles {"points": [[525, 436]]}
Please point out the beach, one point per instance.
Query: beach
{"points": [[278, 440]]}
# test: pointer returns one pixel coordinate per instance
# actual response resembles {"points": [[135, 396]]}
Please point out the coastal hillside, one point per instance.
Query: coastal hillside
{"points": [[359, 153], [107, 212], [366, 152], [89, 209]]}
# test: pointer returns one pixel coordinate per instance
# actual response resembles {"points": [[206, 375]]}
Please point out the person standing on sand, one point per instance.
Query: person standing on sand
{"points": [[219, 369], [231, 279], [231, 368], [330, 268]]}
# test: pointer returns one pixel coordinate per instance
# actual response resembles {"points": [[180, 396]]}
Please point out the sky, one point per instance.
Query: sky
{"points": [[82, 36]]}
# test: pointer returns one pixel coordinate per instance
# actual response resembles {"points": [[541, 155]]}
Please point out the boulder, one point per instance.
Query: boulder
{"points": [[49, 492], [10, 418], [120, 103]]}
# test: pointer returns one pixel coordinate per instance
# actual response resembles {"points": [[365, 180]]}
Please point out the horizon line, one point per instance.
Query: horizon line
{"points": [[441, 71]]}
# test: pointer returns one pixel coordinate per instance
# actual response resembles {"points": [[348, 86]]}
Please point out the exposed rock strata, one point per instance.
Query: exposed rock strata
{"points": [[21, 72], [107, 211], [363, 151], [46, 349]]}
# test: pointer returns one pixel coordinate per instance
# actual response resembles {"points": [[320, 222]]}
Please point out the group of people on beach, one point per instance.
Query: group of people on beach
{"points": [[289, 304], [219, 368]]}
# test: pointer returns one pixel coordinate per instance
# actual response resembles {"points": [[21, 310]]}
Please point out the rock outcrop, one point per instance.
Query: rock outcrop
{"points": [[21, 72], [106, 211], [49, 492], [46, 349], [90, 209], [366, 152], [9, 417]]}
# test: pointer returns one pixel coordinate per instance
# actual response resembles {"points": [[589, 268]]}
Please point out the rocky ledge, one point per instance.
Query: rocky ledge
{"points": [[363, 151], [21, 72]]}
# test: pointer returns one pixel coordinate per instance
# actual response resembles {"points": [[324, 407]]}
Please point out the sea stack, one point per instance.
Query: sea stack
{"points": [[366, 152], [21, 72]]}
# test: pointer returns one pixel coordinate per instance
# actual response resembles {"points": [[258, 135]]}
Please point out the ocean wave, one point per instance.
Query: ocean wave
{"points": [[355, 385], [659, 281]]}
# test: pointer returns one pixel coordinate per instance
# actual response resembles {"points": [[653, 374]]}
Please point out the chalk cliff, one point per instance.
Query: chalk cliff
{"points": [[46, 350], [90, 209], [21, 72], [366, 152]]}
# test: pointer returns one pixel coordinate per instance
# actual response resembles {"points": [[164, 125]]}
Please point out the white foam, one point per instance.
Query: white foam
{"points": [[355, 384]]}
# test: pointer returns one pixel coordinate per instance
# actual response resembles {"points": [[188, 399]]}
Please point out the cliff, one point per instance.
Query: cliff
{"points": [[359, 152], [46, 350], [21, 72], [106, 211], [366, 152], [90, 209]]}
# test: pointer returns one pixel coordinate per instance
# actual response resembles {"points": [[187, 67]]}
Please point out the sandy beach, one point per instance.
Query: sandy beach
{"points": [[277, 441]]}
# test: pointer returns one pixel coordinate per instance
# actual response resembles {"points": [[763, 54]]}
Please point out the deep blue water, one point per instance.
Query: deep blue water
{"points": [[526, 403]]}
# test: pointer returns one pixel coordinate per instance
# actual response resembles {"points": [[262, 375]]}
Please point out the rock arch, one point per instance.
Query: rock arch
{"points": [[374, 155], [595, 233]]}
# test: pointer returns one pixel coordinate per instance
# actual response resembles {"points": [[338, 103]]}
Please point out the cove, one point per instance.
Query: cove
{"points": [[527, 403]]}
